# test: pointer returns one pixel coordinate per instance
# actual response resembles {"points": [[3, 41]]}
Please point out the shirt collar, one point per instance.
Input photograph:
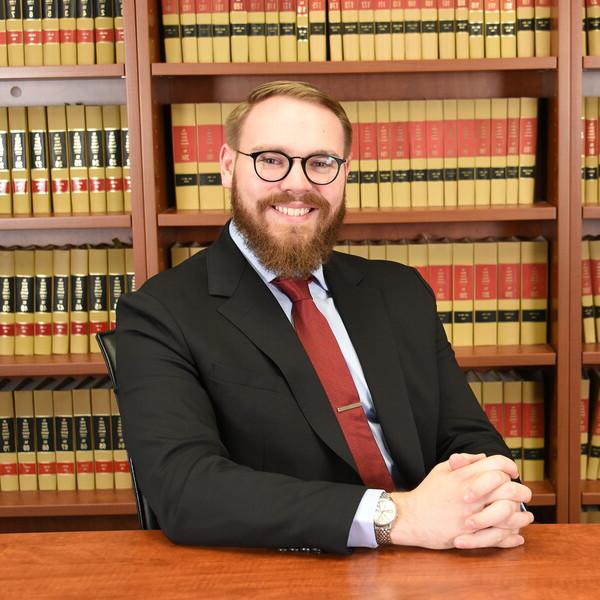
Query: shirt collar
{"points": [[265, 274]]}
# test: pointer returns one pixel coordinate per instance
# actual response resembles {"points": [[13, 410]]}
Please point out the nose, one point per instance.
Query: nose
{"points": [[296, 180]]}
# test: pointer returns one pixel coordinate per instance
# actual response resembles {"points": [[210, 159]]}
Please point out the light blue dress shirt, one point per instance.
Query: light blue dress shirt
{"points": [[361, 532]]}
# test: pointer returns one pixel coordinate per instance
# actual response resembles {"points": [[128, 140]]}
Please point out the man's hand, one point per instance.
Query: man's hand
{"points": [[469, 501]]}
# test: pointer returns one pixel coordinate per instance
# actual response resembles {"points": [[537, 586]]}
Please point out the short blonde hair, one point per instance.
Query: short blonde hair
{"points": [[299, 90]]}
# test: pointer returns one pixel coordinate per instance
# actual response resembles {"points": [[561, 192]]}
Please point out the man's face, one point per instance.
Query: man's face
{"points": [[290, 224]]}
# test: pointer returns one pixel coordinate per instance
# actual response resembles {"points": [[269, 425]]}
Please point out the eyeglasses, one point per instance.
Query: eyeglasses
{"points": [[271, 165]]}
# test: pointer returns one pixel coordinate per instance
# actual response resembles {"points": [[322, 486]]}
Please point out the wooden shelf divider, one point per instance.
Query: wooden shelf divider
{"points": [[63, 72], [108, 221], [59, 365]]}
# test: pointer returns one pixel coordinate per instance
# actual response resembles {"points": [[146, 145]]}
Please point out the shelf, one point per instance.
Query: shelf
{"points": [[105, 221], [590, 492], [69, 364], [591, 62], [63, 72], [591, 212], [542, 211], [318, 68], [543, 493], [475, 357], [591, 354], [67, 503]]}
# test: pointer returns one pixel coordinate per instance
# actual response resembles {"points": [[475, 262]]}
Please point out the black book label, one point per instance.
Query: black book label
{"points": [[118, 443], [498, 173], [335, 29], [33, 9], [482, 173], [37, 148], [95, 150], [210, 179], [533, 453], [103, 8], [475, 29], [50, 9], [429, 27], [317, 28], [385, 176], [257, 29], [525, 25], [60, 294], [383, 28], [17, 142], [77, 149], [419, 175], [512, 172], [204, 30], [486, 316], [43, 293], [435, 175], [44, 429], [4, 151], [83, 433], [79, 293], [25, 434], [509, 29], [25, 293], [130, 278], [492, 29], [273, 29], [64, 433], [239, 29], [97, 292], [84, 9], [116, 287], [188, 31], [447, 26], [101, 424], [397, 26], [366, 28], [516, 453], [58, 149], [125, 147], [404, 176], [66, 9], [219, 30], [508, 316], [118, 7], [587, 312], [7, 435], [463, 316], [170, 31], [14, 9], [533, 316], [7, 294], [462, 26], [185, 179], [466, 174], [445, 317], [368, 176], [113, 148], [352, 177], [302, 34], [542, 24], [350, 28], [450, 174]]}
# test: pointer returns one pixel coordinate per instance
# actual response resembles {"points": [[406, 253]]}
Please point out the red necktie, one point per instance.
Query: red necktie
{"points": [[329, 363]]}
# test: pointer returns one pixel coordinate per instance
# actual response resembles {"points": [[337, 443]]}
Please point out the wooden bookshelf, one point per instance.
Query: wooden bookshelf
{"points": [[59, 365], [109, 221], [590, 492], [484, 357]]}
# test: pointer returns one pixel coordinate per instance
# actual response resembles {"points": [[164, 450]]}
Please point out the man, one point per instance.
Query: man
{"points": [[272, 392]]}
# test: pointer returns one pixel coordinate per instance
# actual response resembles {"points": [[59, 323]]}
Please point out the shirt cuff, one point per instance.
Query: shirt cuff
{"points": [[362, 532]]}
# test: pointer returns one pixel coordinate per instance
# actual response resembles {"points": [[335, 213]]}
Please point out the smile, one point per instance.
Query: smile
{"points": [[292, 212]]}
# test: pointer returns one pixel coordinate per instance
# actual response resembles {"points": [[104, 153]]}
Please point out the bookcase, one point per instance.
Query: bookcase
{"points": [[149, 86]]}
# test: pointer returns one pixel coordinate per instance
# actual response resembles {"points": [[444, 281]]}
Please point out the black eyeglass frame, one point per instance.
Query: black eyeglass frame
{"points": [[291, 159]]}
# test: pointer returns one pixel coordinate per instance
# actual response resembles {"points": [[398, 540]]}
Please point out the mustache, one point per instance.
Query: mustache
{"points": [[282, 198]]}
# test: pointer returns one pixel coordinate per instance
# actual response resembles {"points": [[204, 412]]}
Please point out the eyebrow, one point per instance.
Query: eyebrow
{"points": [[265, 148]]}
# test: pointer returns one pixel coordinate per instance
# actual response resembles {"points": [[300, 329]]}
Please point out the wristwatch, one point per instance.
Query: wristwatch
{"points": [[385, 516]]}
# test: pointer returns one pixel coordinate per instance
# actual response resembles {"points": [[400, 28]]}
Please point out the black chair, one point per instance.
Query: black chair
{"points": [[108, 347]]}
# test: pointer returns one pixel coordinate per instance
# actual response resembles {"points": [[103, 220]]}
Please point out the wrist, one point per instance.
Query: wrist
{"points": [[385, 516], [403, 532]]}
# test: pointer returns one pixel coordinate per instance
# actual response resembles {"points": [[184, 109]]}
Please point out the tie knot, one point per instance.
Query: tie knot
{"points": [[294, 289]]}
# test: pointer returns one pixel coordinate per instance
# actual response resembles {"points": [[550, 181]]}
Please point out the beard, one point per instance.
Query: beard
{"points": [[296, 254]]}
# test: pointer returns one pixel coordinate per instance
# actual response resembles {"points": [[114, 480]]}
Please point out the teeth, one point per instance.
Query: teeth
{"points": [[292, 212]]}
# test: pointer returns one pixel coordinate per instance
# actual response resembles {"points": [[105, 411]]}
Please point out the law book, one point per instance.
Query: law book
{"points": [[584, 423], [196, 247], [119, 34], [94, 140], [67, 24], [50, 33], [238, 19], [527, 149], [209, 132], [101, 434], [350, 43], [78, 159], [543, 13], [78, 302], [466, 152], [447, 28], [400, 151], [593, 26], [418, 256], [26, 438], [62, 403], [461, 17], [221, 31], [492, 28], [302, 48], [485, 258], [366, 29], [3, 48], [19, 161], [483, 151], [98, 295], [450, 109], [84, 445], [185, 156], [533, 429], [429, 29], [587, 295], [440, 280], [498, 149], [257, 48], [129, 270], [462, 293], [417, 132], [434, 133], [508, 29], [512, 151], [287, 31], [384, 156], [32, 32], [178, 253], [382, 15], [125, 159], [512, 392], [116, 281], [204, 40], [9, 478], [412, 30], [121, 469], [187, 24], [5, 181], [353, 183], [59, 161], [509, 292], [359, 249], [42, 333], [45, 439], [113, 159], [85, 33], [594, 245], [40, 169], [582, 138], [377, 250], [104, 31], [272, 30], [397, 252], [334, 30], [534, 291], [475, 384], [24, 301], [7, 302], [525, 28], [398, 32], [492, 399], [171, 31], [61, 288], [367, 132], [14, 33], [476, 29], [593, 462]]}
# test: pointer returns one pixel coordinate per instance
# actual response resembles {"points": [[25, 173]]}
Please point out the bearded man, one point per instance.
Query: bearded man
{"points": [[275, 393]]}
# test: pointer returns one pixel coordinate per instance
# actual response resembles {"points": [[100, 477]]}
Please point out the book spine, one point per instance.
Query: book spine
{"points": [[24, 300], [84, 446], [204, 40], [483, 151], [98, 295], [3, 47], [14, 33], [509, 292], [96, 159], [5, 182], [125, 160], [79, 301], [384, 156], [461, 15], [42, 340], [334, 30], [9, 478], [418, 153], [534, 289], [119, 32], [120, 459], [185, 156], [367, 128], [466, 152], [45, 439], [317, 26], [434, 133], [527, 150], [113, 153], [594, 245], [272, 30], [450, 153], [593, 27], [257, 47], [102, 439], [302, 48], [382, 15], [492, 28], [476, 29], [221, 31], [412, 29], [513, 420], [85, 32], [116, 282], [209, 133], [366, 29], [61, 288], [508, 29], [591, 150], [67, 24], [38, 152], [187, 21], [59, 163], [440, 279], [462, 293], [171, 31], [20, 165], [512, 151], [352, 183], [26, 451], [587, 295], [429, 29], [543, 13], [32, 32], [485, 330], [400, 151], [7, 302], [104, 32], [584, 434], [65, 439], [129, 270], [492, 403], [525, 28], [447, 28], [418, 258], [533, 431], [398, 32], [50, 33], [350, 41], [238, 18], [499, 150], [78, 160]]}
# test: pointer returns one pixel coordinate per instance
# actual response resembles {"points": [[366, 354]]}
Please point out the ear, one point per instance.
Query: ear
{"points": [[348, 166], [227, 158]]}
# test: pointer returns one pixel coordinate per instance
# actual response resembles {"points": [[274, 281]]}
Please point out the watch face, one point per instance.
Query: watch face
{"points": [[385, 512]]}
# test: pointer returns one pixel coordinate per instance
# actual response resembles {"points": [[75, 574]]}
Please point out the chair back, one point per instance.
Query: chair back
{"points": [[108, 348]]}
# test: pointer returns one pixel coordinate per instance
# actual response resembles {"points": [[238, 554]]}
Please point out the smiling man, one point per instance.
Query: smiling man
{"points": [[275, 393]]}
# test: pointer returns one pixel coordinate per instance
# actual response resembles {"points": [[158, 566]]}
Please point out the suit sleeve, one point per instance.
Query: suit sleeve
{"points": [[200, 496]]}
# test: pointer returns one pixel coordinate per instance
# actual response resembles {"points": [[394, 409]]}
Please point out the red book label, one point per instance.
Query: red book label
{"points": [[105, 35], [104, 466], [509, 281], [584, 414], [203, 6], [591, 137], [184, 144], [533, 420], [595, 274], [4, 187], [48, 468], [79, 184], [187, 7], [383, 141], [399, 140], [39, 186], [3, 38], [67, 36], [463, 282], [534, 277], [446, 3], [486, 282], [416, 133], [524, 3], [79, 328], [450, 138], [586, 277], [466, 137], [85, 466], [20, 186], [219, 6], [97, 184], [435, 139], [494, 414], [8, 468], [14, 37], [512, 143], [121, 466], [65, 468], [499, 137], [440, 280], [169, 7], [60, 329], [26, 468], [98, 327], [528, 136], [85, 36], [127, 184], [114, 184], [50, 36], [43, 329], [24, 329], [483, 137], [120, 35], [368, 141], [7, 329], [33, 38], [210, 140], [60, 186], [513, 422]]}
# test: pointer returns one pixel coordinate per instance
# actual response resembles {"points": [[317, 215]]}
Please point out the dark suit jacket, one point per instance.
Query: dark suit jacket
{"points": [[233, 438]]}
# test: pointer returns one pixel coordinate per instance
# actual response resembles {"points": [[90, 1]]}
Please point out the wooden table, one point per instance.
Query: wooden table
{"points": [[557, 561]]}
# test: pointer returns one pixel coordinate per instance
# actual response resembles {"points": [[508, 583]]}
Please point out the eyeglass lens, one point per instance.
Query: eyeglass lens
{"points": [[274, 166]]}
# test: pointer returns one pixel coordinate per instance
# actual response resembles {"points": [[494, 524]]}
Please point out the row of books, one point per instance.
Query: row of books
{"points": [[406, 153], [514, 404], [71, 159], [590, 513], [590, 150], [488, 292], [241, 31], [591, 27], [590, 289], [55, 300], [589, 424], [61, 32], [63, 434]]}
